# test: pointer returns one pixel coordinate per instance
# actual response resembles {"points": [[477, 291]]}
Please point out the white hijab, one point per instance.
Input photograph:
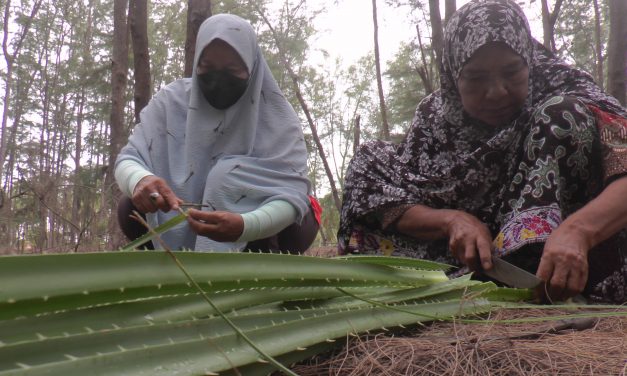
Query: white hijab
{"points": [[236, 159]]}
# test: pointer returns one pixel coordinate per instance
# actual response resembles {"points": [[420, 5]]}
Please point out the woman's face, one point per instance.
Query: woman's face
{"points": [[220, 56], [493, 84], [222, 75]]}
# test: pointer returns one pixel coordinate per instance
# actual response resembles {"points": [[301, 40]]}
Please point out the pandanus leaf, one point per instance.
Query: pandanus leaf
{"points": [[136, 313]]}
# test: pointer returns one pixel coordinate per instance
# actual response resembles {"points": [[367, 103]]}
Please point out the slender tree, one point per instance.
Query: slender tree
{"points": [[283, 57], [450, 6], [385, 127], [83, 56], [617, 51], [119, 69], [10, 57], [15, 103], [423, 70], [597, 44], [549, 18], [356, 134], [437, 31], [138, 20], [197, 12]]}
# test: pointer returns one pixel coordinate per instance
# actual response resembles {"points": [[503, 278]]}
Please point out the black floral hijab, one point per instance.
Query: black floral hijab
{"points": [[471, 27], [449, 160]]}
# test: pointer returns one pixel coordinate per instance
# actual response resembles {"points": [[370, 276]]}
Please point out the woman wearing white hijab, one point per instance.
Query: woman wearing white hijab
{"points": [[225, 138]]}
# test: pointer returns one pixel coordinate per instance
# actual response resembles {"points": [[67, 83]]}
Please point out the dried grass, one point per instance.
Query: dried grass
{"points": [[490, 348]]}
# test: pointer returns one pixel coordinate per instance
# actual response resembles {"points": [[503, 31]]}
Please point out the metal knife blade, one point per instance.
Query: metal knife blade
{"points": [[511, 275]]}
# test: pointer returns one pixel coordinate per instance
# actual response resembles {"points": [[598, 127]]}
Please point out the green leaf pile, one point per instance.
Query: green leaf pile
{"points": [[136, 313]]}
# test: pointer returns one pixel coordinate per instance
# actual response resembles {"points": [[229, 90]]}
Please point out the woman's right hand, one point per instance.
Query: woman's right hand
{"points": [[152, 193], [470, 240]]}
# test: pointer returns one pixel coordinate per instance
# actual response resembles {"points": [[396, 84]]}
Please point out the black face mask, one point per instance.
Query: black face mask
{"points": [[221, 89]]}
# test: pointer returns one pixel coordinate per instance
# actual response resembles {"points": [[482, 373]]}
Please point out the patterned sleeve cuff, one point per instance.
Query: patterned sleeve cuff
{"points": [[613, 134], [614, 163]]}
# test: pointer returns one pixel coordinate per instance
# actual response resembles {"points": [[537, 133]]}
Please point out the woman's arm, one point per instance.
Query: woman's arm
{"points": [[604, 216], [564, 263], [470, 240], [128, 173], [260, 223]]}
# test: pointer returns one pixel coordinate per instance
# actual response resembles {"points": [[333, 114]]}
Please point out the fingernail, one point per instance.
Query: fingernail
{"points": [[486, 265]]}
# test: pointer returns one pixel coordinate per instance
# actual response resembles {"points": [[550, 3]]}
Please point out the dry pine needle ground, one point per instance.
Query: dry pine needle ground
{"points": [[595, 347]]}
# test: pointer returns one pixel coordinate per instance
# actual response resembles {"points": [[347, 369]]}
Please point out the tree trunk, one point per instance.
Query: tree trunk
{"points": [[450, 6], [117, 137], [385, 127], [138, 17], [356, 134], [77, 193], [423, 71], [78, 151], [314, 134], [437, 32], [305, 108], [617, 51], [10, 58], [598, 44], [548, 23], [9, 176], [197, 12]]}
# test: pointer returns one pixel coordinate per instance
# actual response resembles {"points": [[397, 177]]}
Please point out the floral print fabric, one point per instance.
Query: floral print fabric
{"points": [[521, 179]]}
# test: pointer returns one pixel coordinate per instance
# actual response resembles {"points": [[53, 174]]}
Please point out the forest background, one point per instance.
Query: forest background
{"points": [[76, 73]]}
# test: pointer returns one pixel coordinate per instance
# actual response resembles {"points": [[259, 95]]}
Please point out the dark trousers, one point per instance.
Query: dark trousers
{"points": [[295, 238]]}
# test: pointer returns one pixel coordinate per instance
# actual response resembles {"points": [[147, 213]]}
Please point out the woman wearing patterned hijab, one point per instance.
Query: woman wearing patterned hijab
{"points": [[226, 139], [517, 155]]}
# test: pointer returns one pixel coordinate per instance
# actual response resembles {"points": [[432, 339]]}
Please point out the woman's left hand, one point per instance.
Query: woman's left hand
{"points": [[564, 263], [220, 226]]}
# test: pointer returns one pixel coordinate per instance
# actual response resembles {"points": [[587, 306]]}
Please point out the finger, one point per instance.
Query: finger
{"points": [[572, 286], [144, 204], [170, 201], [158, 193], [202, 228], [198, 215], [470, 255], [584, 278], [576, 282], [484, 246], [557, 285], [151, 206], [545, 269], [154, 196], [145, 195], [196, 226], [155, 201], [544, 273]]}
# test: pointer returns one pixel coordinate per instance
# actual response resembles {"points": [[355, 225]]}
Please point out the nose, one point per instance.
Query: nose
{"points": [[497, 89]]}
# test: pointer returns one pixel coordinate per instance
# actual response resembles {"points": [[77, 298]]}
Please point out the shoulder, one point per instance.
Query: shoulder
{"points": [[432, 102], [180, 87], [429, 109], [174, 94]]}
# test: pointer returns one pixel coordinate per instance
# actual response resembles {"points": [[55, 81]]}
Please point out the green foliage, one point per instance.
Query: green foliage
{"points": [[330, 218], [61, 80], [60, 87], [166, 38], [136, 313], [406, 89], [575, 34]]}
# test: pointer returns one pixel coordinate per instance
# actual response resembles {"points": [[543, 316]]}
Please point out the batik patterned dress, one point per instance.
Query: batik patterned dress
{"points": [[522, 180]]}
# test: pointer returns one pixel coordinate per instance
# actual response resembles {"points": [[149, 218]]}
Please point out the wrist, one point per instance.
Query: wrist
{"points": [[576, 228], [448, 219]]}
